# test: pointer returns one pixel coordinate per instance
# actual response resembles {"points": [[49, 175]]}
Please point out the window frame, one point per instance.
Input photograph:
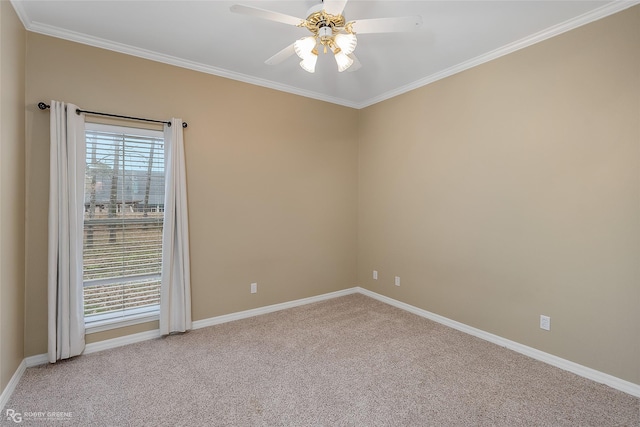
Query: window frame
{"points": [[131, 316]]}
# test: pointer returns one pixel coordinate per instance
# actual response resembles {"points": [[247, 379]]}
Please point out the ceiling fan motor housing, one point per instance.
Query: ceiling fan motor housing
{"points": [[317, 19], [329, 31]]}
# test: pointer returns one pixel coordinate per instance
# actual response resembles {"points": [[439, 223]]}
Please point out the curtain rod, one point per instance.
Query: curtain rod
{"points": [[43, 106]]}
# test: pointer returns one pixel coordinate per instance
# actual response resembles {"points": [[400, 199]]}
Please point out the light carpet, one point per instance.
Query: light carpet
{"points": [[349, 361]]}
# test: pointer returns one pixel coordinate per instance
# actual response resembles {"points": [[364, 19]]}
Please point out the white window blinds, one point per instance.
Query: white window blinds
{"points": [[123, 220]]}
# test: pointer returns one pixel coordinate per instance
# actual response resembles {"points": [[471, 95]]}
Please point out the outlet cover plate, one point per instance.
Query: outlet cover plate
{"points": [[545, 322]]}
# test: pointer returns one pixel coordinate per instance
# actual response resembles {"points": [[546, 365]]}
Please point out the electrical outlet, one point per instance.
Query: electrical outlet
{"points": [[375, 275], [545, 322], [254, 288], [397, 281]]}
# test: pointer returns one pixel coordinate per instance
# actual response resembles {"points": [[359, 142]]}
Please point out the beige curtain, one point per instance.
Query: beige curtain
{"points": [[175, 290], [66, 204]]}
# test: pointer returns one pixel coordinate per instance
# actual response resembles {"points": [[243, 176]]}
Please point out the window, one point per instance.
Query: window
{"points": [[123, 220]]}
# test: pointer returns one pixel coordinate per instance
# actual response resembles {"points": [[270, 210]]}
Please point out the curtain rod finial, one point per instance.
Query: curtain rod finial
{"points": [[42, 106]]}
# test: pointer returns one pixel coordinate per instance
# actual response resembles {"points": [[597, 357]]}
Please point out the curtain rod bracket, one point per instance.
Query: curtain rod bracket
{"points": [[43, 106]]}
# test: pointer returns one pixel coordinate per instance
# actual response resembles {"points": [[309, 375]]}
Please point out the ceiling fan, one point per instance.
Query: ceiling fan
{"points": [[329, 31]]}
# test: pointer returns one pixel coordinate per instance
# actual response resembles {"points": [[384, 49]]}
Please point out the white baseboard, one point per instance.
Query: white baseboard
{"points": [[120, 341], [11, 386], [583, 371], [567, 365], [38, 359], [270, 309], [41, 359]]}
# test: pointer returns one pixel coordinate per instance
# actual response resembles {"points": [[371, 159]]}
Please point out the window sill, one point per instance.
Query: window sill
{"points": [[100, 323]]}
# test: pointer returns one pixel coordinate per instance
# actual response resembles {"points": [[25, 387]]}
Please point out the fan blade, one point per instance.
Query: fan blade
{"points": [[334, 7], [387, 25], [281, 56], [356, 64], [266, 14]]}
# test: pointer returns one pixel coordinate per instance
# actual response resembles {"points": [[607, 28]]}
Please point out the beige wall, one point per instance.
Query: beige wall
{"points": [[513, 190], [499, 194], [12, 186], [272, 177]]}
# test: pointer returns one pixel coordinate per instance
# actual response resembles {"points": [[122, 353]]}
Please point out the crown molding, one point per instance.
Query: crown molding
{"points": [[594, 15], [49, 30], [22, 14]]}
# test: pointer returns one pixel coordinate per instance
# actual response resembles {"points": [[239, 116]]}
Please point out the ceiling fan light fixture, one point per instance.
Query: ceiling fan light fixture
{"points": [[325, 34], [330, 31], [343, 60], [346, 42], [304, 47], [309, 62]]}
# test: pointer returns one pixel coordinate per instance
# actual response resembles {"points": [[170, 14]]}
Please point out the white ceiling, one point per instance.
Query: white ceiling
{"points": [[206, 36]]}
